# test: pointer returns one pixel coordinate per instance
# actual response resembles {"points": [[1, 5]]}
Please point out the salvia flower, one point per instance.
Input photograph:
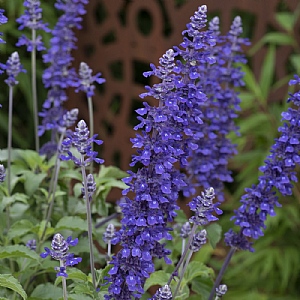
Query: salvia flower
{"points": [[60, 75], [221, 291], [279, 173], [168, 136], [199, 239], [31, 244], [185, 230], [208, 163], [80, 139], [109, 233], [3, 20], [32, 19], [85, 82], [204, 208], [13, 67], [163, 293], [91, 187], [60, 251], [2, 173]]}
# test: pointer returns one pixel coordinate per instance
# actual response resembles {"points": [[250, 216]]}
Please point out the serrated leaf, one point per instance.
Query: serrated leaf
{"points": [[111, 171], [267, 72], [10, 282], [72, 223], [74, 274], [286, 20], [46, 292], [195, 269], [157, 278], [18, 251], [32, 181], [19, 228], [214, 234]]}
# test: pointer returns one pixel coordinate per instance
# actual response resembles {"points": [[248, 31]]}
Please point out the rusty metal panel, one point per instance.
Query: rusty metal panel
{"points": [[116, 42]]}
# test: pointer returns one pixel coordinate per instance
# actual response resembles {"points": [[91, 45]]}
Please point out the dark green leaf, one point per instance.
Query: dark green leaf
{"points": [[157, 278], [18, 251], [72, 223], [195, 269], [267, 72], [46, 292], [214, 234], [12, 283], [19, 228]]}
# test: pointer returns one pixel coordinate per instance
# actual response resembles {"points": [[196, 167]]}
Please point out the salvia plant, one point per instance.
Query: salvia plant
{"points": [[54, 216]]}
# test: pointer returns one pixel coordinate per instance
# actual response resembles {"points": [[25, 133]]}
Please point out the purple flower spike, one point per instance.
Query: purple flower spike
{"points": [[60, 251], [204, 208], [2, 173], [32, 19], [279, 173], [83, 143], [86, 80], [3, 20], [13, 67], [163, 293]]}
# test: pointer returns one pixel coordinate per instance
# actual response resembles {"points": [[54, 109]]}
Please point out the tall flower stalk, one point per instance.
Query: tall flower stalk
{"points": [[60, 75], [260, 200], [32, 19], [80, 139], [85, 84], [168, 136]]}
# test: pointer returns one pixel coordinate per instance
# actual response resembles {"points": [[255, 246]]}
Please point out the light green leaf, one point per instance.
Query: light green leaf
{"points": [[18, 251], [214, 232], [286, 20], [202, 286], [46, 292], [72, 223], [111, 171], [32, 181], [19, 228], [195, 269], [295, 60], [267, 72], [73, 274], [157, 278], [12, 283]]}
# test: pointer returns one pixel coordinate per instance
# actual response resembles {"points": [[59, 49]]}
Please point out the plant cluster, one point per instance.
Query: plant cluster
{"points": [[54, 197]]}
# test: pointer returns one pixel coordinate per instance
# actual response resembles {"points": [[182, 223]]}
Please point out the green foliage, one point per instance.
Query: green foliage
{"points": [[8, 281]]}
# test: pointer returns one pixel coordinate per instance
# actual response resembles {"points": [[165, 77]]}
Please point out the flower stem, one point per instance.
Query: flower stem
{"points": [[91, 127], [221, 273], [9, 139], [64, 282], [182, 273], [89, 220], [34, 92], [182, 258]]}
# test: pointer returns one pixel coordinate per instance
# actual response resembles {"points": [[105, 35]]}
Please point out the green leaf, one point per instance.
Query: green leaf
{"points": [[157, 278], [73, 274], [46, 292], [267, 72], [12, 283], [111, 171], [195, 269], [214, 234], [286, 20], [18, 251], [295, 60], [251, 82], [19, 228], [32, 181], [202, 286], [72, 223]]}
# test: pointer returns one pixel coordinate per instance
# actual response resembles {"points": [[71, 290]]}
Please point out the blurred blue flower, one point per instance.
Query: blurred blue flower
{"points": [[2, 173], [3, 20], [32, 19], [278, 174]]}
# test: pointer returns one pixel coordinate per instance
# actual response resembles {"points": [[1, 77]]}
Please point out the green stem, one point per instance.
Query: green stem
{"points": [[34, 92], [221, 273], [89, 220], [64, 282], [91, 127], [52, 188], [184, 253], [182, 272]]}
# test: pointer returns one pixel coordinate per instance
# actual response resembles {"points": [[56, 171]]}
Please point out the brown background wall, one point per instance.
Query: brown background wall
{"points": [[120, 38]]}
